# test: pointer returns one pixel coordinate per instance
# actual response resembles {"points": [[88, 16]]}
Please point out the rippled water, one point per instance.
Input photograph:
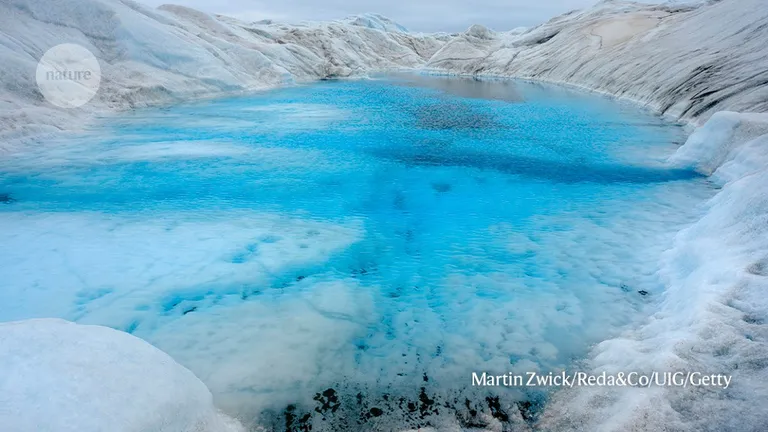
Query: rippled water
{"points": [[345, 254]]}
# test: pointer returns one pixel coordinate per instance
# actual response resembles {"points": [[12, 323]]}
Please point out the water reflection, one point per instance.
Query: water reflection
{"points": [[467, 87]]}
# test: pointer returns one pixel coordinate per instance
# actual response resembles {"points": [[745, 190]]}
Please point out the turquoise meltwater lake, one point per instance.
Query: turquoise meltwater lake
{"points": [[344, 255]]}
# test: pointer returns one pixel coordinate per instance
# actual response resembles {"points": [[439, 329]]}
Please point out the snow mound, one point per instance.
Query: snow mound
{"points": [[57, 376]]}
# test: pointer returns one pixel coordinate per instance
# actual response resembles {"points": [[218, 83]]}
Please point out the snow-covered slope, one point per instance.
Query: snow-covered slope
{"points": [[56, 376], [684, 61]]}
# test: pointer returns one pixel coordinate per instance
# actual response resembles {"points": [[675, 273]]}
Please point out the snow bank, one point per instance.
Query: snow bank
{"points": [[57, 376], [713, 314], [686, 61]]}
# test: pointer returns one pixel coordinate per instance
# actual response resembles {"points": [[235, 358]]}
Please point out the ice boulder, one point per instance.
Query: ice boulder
{"points": [[57, 376]]}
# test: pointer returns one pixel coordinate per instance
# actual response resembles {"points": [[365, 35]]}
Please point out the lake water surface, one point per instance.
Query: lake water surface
{"points": [[346, 254]]}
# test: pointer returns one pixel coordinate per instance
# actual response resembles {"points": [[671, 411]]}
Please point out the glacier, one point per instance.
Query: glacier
{"points": [[703, 63]]}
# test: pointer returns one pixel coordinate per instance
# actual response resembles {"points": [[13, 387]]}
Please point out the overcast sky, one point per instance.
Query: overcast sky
{"points": [[416, 15]]}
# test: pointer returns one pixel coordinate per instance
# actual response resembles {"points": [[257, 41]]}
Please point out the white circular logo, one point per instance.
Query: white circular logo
{"points": [[68, 75]]}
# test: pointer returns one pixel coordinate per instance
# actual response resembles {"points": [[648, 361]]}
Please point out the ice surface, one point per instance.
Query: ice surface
{"points": [[57, 376]]}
